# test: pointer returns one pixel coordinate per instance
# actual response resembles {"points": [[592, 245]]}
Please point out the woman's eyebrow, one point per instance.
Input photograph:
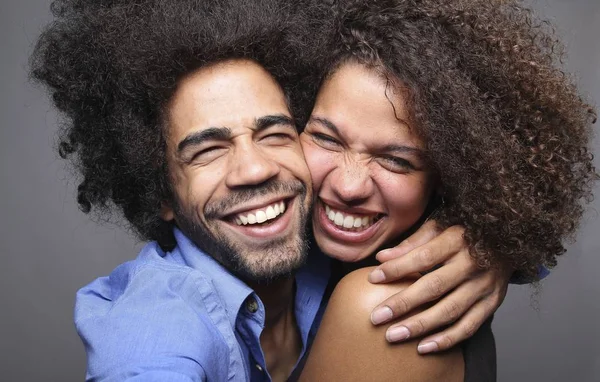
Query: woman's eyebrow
{"points": [[325, 123], [402, 149], [387, 148]]}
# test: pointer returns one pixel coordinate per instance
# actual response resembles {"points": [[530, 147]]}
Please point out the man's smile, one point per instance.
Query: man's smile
{"points": [[264, 221], [260, 215]]}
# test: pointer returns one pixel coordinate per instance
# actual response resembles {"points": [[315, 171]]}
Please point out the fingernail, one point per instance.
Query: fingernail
{"points": [[397, 333], [381, 315], [427, 347], [376, 276], [383, 252]]}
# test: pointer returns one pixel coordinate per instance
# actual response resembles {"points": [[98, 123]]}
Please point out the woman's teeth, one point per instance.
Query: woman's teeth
{"points": [[262, 215], [349, 221]]}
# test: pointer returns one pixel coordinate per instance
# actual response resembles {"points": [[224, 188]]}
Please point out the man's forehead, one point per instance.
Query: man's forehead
{"points": [[233, 94]]}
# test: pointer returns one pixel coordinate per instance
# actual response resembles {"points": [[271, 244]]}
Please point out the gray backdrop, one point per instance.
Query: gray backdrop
{"points": [[49, 249]]}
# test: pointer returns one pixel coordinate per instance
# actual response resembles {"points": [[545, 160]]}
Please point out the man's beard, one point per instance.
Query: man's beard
{"points": [[265, 264]]}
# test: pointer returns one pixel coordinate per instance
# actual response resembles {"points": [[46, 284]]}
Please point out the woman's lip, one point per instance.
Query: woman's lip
{"points": [[341, 235], [348, 210]]}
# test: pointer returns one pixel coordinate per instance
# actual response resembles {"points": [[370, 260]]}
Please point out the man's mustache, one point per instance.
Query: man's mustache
{"points": [[246, 194]]}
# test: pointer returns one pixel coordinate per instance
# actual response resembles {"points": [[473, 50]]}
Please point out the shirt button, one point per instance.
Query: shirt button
{"points": [[259, 367], [252, 305]]}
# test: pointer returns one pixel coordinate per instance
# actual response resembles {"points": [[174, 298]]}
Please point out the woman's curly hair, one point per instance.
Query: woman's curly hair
{"points": [[507, 131], [112, 65]]}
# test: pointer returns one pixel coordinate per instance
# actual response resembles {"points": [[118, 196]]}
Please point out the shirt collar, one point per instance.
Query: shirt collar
{"points": [[231, 290], [311, 282]]}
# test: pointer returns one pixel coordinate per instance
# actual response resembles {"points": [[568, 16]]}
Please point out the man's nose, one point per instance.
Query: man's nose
{"points": [[250, 166], [352, 182]]}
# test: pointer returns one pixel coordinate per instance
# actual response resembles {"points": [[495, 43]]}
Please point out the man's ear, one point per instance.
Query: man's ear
{"points": [[166, 211]]}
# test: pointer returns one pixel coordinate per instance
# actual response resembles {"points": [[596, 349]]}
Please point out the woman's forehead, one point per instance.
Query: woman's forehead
{"points": [[359, 105]]}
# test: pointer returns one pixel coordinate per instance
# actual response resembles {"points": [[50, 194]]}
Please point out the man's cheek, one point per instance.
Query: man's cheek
{"points": [[299, 165]]}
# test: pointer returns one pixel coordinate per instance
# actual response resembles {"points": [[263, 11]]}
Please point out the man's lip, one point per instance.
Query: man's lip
{"points": [[349, 210], [281, 226], [246, 208]]}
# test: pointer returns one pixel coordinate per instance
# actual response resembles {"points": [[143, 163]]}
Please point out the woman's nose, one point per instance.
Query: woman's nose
{"points": [[352, 182]]}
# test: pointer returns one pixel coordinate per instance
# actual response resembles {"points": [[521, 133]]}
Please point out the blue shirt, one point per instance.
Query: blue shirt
{"points": [[181, 316], [517, 277]]}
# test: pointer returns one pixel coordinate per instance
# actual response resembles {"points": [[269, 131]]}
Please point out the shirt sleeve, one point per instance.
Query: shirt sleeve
{"points": [[137, 326], [517, 278]]}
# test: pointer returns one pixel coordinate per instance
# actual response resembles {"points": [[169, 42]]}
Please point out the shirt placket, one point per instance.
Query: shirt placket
{"points": [[250, 329]]}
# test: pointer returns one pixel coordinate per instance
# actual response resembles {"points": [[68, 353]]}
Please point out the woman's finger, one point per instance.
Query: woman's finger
{"points": [[427, 288], [462, 329], [449, 309], [427, 232], [422, 258]]}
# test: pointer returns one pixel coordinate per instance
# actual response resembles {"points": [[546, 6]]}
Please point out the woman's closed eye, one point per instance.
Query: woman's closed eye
{"points": [[326, 141], [395, 164]]}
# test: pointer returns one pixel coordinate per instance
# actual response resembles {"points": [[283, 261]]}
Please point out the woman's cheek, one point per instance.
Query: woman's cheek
{"points": [[406, 198], [319, 162]]}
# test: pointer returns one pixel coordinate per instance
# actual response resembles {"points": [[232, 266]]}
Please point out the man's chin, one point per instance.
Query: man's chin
{"points": [[254, 254], [269, 264], [266, 277]]}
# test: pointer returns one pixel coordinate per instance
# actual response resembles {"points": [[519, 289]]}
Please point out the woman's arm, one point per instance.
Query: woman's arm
{"points": [[348, 347], [464, 294]]}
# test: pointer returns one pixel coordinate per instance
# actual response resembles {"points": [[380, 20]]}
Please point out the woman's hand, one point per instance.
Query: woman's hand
{"points": [[466, 295]]}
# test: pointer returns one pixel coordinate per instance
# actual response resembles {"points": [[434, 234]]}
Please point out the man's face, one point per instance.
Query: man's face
{"points": [[241, 186]]}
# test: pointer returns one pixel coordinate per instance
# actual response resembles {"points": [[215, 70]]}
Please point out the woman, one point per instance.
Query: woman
{"points": [[454, 107]]}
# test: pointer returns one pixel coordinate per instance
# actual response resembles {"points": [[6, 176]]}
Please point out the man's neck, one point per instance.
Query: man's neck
{"points": [[277, 297], [280, 339]]}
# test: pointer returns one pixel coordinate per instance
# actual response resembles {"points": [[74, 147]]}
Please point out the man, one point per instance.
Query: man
{"points": [[178, 118], [232, 153]]}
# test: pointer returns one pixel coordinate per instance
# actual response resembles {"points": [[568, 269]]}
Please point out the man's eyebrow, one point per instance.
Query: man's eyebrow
{"points": [[267, 121], [224, 133], [325, 123], [194, 139]]}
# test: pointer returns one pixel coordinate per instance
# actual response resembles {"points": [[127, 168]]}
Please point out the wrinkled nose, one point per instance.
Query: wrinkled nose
{"points": [[351, 182], [250, 167]]}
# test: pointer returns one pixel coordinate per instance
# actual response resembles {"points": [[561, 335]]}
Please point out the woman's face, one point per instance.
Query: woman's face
{"points": [[368, 167]]}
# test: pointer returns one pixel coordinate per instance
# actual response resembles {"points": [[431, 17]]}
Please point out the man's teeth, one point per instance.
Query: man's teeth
{"points": [[348, 221], [262, 215]]}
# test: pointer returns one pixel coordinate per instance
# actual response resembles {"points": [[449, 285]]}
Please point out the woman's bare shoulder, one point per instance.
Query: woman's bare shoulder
{"points": [[356, 287], [349, 347]]}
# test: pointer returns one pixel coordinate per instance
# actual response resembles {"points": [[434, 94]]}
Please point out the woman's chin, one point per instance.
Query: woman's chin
{"points": [[347, 253]]}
